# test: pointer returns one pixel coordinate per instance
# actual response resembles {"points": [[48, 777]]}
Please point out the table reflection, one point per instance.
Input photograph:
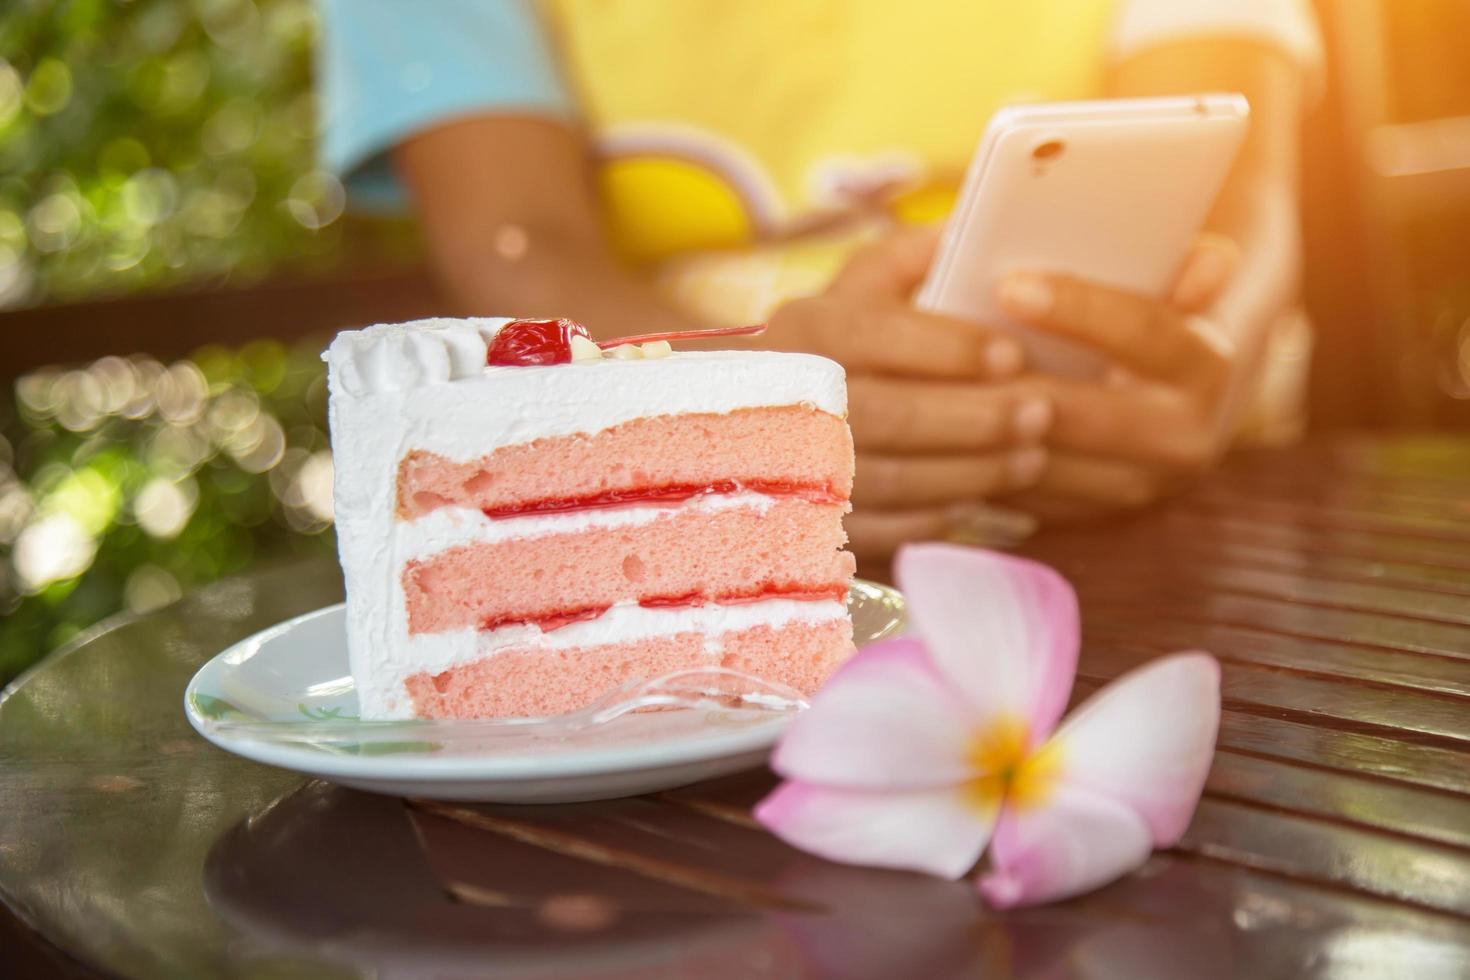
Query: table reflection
{"points": [[383, 887]]}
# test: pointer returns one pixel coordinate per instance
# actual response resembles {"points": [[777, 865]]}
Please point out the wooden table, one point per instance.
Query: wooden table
{"points": [[1333, 582]]}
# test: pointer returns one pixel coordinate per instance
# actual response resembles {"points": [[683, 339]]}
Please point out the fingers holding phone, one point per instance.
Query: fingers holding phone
{"points": [[1142, 431], [1160, 339], [1207, 270], [1090, 254], [940, 414]]}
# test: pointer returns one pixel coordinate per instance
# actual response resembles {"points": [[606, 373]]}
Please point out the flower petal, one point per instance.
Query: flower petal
{"points": [[939, 831], [1003, 630], [1074, 843], [884, 720], [1147, 740]]}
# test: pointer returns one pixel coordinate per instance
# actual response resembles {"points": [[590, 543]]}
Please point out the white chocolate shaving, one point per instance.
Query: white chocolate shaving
{"points": [[585, 350]]}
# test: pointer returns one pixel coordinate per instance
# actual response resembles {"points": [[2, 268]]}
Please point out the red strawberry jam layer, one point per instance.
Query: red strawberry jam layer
{"points": [[788, 449], [687, 600], [675, 494], [789, 548]]}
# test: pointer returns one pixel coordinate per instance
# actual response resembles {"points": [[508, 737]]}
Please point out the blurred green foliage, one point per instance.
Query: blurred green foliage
{"points": [[127, 481], [145, 143], [151, 141]]}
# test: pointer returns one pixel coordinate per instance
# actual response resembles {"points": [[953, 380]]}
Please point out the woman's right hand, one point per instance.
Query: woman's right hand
{"points": [[939, 416]]}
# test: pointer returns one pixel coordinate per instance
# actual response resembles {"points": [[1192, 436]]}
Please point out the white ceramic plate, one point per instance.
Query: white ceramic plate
{"points": [[285, 697]]}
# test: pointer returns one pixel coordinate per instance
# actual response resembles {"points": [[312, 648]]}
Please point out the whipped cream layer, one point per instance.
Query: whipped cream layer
{"points": [[449, 527], [381, 695]]}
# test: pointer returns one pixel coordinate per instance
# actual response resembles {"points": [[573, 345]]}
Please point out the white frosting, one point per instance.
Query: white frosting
{"points": [[428, 379], [398, 356], [423, 385], [625, 622], [449, 527]]}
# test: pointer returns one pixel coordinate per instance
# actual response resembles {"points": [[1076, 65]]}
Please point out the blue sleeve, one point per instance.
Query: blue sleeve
{"points": [[387, 69]]}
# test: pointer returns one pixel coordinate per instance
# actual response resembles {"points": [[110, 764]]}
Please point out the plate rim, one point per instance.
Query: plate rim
{"points": [[425, 768]]}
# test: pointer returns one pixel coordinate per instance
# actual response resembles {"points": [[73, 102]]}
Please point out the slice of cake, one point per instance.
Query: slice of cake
{"points": [[521, 536]]}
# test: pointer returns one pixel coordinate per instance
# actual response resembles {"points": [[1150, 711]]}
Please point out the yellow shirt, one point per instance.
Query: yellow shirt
{"points": [[748, 145]]}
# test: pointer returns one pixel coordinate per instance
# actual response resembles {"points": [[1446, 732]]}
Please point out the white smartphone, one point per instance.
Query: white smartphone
{"points": [[1112, 191]]}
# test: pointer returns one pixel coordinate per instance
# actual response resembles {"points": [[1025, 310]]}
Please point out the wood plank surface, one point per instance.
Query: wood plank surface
{"points": [[1334, 586], [1332, 581]]}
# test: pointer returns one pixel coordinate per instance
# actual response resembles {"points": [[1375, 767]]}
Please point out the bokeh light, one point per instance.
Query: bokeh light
{"points": [[55, 221], [15, 509], [317, 199], [149, 587], [152, 143], [12, 92], [126, 481], [315, 485], [49, 88], [51, 549], [164, 506], [143, 145]]}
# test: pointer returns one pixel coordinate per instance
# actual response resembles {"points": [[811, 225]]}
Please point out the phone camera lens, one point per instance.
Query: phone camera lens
{"points": [[1048, 151]]}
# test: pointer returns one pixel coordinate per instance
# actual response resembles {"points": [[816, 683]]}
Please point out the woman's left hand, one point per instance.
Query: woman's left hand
{"points": [[1157, 419]]}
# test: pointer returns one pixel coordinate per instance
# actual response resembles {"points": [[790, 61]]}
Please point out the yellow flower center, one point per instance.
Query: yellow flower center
{"points": [[1012, 774]]}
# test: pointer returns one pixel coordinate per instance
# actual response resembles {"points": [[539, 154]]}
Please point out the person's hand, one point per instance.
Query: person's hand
{"points": [[939, 415], [1159, 417]]}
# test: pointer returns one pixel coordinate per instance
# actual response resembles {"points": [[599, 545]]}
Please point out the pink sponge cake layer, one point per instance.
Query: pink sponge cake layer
{"points": [[796, 447], [519, 534], [530, 681], [790, 547]]}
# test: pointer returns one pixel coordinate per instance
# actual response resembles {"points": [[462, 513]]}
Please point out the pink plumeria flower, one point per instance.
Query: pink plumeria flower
{"points": [[923, 749]]}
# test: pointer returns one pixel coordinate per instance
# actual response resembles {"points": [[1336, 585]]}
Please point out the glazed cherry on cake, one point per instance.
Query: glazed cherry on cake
{"points": [[522, 343]]}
